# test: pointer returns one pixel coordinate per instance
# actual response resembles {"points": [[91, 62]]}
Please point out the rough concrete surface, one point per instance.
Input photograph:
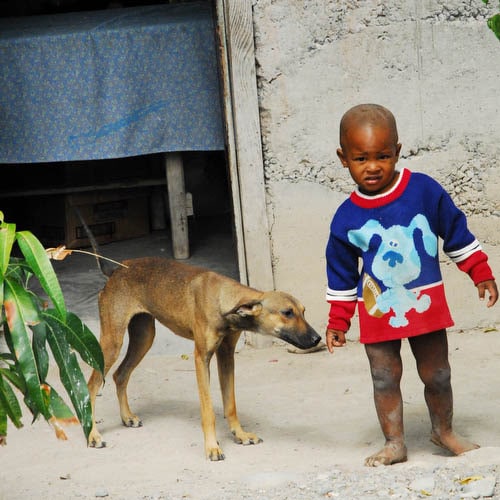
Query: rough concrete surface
{"points": [[435, 64]]}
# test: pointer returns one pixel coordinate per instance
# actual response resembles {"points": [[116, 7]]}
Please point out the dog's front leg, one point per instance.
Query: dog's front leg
{"points": [[225, 364], [202, 357]]}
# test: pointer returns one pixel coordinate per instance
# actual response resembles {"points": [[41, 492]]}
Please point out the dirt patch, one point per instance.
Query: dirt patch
{"points": [[313, 411]]}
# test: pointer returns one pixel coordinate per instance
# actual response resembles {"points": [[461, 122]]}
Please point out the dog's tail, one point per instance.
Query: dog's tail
{"points": [[107, 268]]}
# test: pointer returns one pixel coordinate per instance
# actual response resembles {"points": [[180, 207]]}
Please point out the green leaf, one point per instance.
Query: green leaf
{"points": [[8, 340], [60, 409], [40, 350], [18, 269], [6, 356], [39, 262], [69, 372], [18, 305], [494, 24], [3, 425], [30, 311], [13, 377], [7, 238], [10, 404], [1, 298], [80, 338]]}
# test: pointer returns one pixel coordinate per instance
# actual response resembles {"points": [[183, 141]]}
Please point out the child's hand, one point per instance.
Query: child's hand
{"points": [[491, 286], [334, 338]]}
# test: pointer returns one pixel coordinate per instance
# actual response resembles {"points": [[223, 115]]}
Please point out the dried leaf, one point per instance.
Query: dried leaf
{"points": [[470, 479], [59, 253]]}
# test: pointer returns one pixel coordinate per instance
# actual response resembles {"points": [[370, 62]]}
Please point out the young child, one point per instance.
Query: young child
{"points": [[392, 222]]}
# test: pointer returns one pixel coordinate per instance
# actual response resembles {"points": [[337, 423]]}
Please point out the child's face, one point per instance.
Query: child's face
{"points": [[371, 152]]}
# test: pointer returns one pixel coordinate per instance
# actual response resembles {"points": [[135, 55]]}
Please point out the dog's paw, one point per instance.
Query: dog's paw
{"points": [[132, 421], [215, 454], [96, 442], [246, 438]]}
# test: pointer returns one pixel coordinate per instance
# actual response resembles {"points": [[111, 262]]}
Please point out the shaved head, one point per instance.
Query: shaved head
{"points": [[367, 115]]}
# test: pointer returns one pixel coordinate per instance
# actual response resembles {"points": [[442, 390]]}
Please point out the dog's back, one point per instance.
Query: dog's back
{"points": [[173, 292]]}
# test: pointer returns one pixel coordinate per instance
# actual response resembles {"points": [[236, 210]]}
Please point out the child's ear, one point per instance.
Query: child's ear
{"points": [[398, 149], [341, 156]]}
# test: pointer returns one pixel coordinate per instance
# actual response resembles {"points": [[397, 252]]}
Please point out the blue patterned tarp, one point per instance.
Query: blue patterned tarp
{"points": [[109, 84]]}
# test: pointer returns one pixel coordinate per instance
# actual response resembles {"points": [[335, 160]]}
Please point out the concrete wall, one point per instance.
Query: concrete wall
{"points": [[434, 63]]}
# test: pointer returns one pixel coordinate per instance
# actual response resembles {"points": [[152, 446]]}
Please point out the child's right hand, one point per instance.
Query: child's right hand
{"points": [[491, 287], [334, 338]]}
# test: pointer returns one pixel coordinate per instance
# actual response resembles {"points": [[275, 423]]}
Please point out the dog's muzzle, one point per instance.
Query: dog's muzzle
{"points": [[301, 340]]}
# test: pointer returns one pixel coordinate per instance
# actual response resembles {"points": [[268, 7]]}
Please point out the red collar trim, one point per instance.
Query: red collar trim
{"points": [[364, 201]]}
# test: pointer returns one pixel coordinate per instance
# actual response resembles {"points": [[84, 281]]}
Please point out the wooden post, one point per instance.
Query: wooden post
{"points": [[235, 29], [174, 170]]}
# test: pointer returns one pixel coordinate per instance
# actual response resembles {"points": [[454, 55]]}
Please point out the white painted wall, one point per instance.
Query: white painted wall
{"points": [[434, 63]]}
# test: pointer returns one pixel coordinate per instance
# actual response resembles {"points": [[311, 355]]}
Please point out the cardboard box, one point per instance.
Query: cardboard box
{"points": [[111, 216]]}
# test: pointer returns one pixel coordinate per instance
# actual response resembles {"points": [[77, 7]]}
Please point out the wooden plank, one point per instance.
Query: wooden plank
{"points": [[242, 119], [232, 165], [174, 170], [125, 184], [248, 148]]}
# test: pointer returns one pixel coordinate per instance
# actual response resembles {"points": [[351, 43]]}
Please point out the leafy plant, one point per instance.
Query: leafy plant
{"points": [[494, 21], [32, 331]]}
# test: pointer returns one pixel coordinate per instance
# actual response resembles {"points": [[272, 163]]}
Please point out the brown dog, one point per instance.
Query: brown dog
{"points": [[196, 304]]}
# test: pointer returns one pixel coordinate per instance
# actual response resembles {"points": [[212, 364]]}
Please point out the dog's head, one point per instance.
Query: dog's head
{"points": [[277, 314]]}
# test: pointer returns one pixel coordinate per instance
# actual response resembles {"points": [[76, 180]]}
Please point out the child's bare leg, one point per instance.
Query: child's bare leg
{"points": [[431, 354], [386, 370]]}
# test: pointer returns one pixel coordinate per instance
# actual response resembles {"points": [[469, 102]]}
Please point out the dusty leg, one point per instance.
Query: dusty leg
{"points": [[94, 384], [111, 343], [202, 358], [141, 335], [431, 354], [225, 364], [386, 370]]}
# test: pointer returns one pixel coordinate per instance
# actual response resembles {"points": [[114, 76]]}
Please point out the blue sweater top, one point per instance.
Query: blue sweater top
{"points": [[399, 289]]}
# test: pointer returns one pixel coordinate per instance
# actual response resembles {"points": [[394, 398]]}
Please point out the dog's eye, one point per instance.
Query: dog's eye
{"points": [[288, 313]]}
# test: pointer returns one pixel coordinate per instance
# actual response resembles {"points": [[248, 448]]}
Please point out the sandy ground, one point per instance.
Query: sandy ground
{"points": [[313, 411]]}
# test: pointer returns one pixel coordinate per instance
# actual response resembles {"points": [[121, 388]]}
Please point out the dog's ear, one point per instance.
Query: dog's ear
{"points": [[428, 237], [252, 308], [362, 237]]}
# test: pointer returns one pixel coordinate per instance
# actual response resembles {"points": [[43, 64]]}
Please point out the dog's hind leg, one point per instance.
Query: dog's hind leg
{"points": [[113, 326], [225, 364], [141, 336]]}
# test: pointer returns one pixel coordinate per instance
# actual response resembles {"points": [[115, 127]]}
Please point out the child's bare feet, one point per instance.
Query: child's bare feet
{"points": [[392, 453], [453, 443]]}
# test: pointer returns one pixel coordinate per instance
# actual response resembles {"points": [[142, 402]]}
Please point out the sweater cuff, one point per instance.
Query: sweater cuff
{"points": [[477, 267], [340, 315]]}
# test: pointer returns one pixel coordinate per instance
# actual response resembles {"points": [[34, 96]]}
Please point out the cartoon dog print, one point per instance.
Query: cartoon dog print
{"points": [[397, 263]]}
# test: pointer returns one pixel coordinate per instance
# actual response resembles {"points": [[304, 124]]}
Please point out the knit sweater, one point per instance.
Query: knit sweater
{"points": [[399, 290]]}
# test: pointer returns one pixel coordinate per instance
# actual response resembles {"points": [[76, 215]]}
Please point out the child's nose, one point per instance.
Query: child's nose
{"points": [[372, 165]]}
